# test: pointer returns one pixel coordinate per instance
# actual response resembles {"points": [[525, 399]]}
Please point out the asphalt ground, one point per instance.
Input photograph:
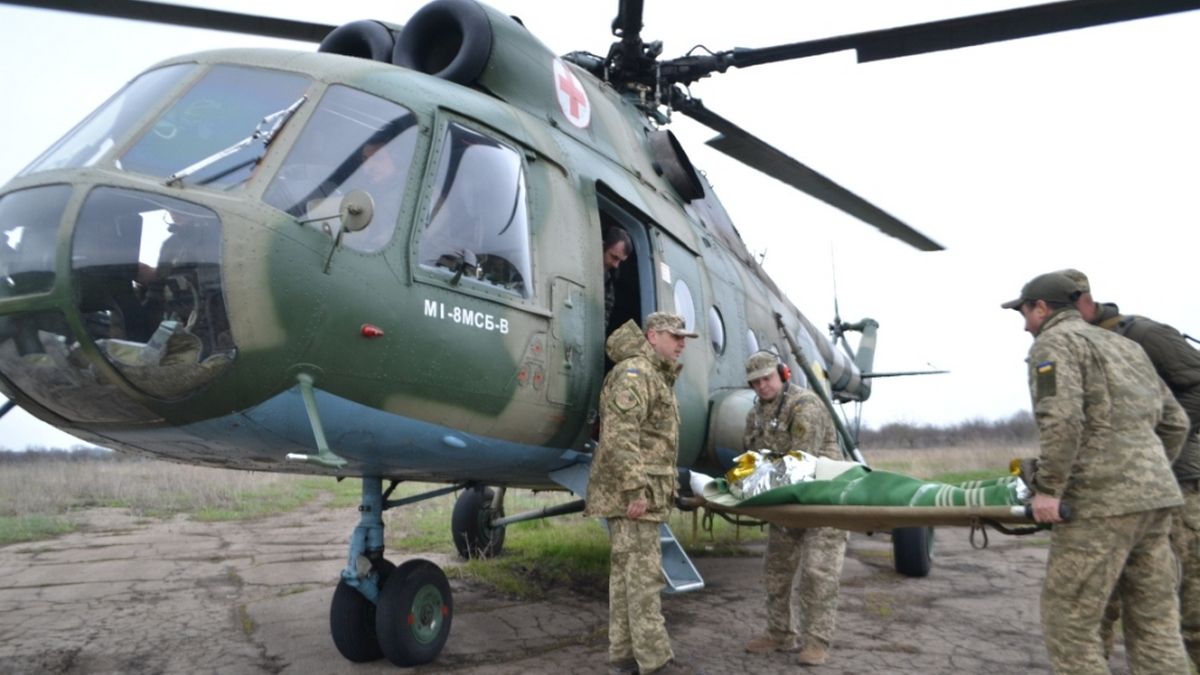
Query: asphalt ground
{"points": [[149, 596]]}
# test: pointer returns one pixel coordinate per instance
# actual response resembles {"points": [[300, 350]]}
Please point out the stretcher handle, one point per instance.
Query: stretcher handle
{"points": [[1064, 511]]}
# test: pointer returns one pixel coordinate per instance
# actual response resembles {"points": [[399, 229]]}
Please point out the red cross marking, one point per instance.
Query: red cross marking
{"points": [[566, 84]]}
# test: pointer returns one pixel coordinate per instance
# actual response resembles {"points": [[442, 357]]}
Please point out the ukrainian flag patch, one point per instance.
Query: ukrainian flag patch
{"points": [[1046, 381]]}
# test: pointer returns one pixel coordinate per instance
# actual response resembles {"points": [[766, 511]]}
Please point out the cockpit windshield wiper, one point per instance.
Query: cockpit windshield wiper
{"points": [[264, 132]]}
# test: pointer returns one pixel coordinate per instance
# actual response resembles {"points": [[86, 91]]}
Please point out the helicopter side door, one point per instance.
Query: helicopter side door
{"points": [[502, 325]]}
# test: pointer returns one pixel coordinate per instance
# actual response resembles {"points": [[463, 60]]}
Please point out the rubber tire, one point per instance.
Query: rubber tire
{"points": [[468, 524], [912, 548], [352, 619], [446, 23], [412, 621]]}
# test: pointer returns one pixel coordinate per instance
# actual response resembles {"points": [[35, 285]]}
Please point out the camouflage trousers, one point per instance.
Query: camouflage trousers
{"points": [[1089, 559], [1185, 542], [817, 553], [636, 627]]}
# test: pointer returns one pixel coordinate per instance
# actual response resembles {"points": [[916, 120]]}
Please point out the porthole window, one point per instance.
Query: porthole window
{"points": [[684, 305], [751, 343], [716, 330]]}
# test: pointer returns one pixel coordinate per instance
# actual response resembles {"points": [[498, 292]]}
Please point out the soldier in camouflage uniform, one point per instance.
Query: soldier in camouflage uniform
{"points": [[632, 484], [1178, 364], [1108, 428], [786, 417]]}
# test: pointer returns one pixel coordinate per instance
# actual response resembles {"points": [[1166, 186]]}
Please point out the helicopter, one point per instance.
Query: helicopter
{"points": [[340, 263]]}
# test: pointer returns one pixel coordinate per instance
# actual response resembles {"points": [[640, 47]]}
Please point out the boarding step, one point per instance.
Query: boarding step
{"points": [[677, 567]]}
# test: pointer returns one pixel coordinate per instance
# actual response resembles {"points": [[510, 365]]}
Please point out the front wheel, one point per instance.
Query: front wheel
{"points": [[352, 618], [912, 548], [412, 620]]}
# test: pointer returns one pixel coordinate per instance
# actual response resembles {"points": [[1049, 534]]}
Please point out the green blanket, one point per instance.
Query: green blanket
{"points": [[860, 486]]}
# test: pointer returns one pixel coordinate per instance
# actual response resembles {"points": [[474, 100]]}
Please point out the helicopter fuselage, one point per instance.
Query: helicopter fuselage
{"points": [[184, 279]]}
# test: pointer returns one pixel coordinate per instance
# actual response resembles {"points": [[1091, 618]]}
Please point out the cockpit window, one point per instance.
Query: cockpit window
{"points": [[97, 134], [148, 273], [226, 106], [354, 141], [29, 238], [478, 228]]}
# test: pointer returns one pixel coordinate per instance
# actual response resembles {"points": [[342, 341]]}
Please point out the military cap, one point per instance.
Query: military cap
{"points": [[1051, 287], [761, 364], [671, 323], [1080, 279]]}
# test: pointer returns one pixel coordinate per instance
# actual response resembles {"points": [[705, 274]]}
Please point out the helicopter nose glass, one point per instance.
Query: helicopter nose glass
{"points": [[224, 107], [147, 270], [40, 354], [111, 122], [29, 225], [353, 141]]}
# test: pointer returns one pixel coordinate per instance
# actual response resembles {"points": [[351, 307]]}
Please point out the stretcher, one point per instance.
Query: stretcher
{"points": [[871, 519], [853, 497]]}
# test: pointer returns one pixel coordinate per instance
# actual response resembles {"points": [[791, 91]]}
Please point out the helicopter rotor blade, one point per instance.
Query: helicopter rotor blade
{"points": [[758, 154], [922, 38], [191, 17]]}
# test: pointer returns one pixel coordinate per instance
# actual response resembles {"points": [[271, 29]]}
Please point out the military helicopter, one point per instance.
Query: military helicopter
{"points": [[380, 260]]}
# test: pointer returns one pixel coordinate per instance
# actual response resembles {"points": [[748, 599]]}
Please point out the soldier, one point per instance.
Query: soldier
{"points": [[1107, 426], [1178, 364], [786, 417], [632, 484], [617, 247]]}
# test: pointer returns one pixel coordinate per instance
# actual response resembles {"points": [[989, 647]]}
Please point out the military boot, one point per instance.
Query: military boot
{"points": [[814, 653], [676, 667], [769, 643], [627, 666]]}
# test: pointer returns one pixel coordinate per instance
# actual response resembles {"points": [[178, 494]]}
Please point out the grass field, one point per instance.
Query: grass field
{"points": [[949, 465]]}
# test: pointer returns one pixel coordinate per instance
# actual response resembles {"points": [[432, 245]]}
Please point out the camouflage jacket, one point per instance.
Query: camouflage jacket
{"points": [[1177, 363], [1108, 426], [795, 420], [639, 430]]}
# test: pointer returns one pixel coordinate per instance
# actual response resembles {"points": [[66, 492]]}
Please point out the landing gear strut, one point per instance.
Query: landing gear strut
{"points": [[378, 609]]}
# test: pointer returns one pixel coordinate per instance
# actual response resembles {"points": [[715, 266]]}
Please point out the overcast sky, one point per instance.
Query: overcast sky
{"points": [[1079, 149]]}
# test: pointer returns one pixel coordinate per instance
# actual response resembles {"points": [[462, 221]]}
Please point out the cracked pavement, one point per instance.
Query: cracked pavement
{"points": [[147, 596]]}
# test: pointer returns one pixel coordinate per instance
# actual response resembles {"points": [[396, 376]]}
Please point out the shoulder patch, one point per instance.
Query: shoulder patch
{"points": [[1046, 384], [633, 373], [625, 400]]}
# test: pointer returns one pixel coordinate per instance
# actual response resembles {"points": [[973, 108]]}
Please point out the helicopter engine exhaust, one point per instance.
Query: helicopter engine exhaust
{"points": [[450, 39], [372, 40]]}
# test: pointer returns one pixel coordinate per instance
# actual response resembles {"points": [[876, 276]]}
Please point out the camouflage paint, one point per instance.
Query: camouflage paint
{"points": [[297, 301]]}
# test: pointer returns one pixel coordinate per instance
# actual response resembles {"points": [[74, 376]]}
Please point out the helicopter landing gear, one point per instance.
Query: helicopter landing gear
{"points": [[471, 523], [378, 609], [912, 548], [414, 614], [352, 618]]}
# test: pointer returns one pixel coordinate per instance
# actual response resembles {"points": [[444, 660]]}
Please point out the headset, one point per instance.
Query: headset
{"points": [[785, 373]]}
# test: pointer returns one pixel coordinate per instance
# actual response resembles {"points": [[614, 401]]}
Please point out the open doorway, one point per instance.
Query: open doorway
{"points": [[633, 280]]}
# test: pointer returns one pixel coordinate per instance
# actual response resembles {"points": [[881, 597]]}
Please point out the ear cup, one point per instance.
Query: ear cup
{"points": [[785, 373]]}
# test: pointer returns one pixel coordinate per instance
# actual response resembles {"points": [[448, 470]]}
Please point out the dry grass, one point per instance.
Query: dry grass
{"points": [[145, 487], [937, 463]]}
